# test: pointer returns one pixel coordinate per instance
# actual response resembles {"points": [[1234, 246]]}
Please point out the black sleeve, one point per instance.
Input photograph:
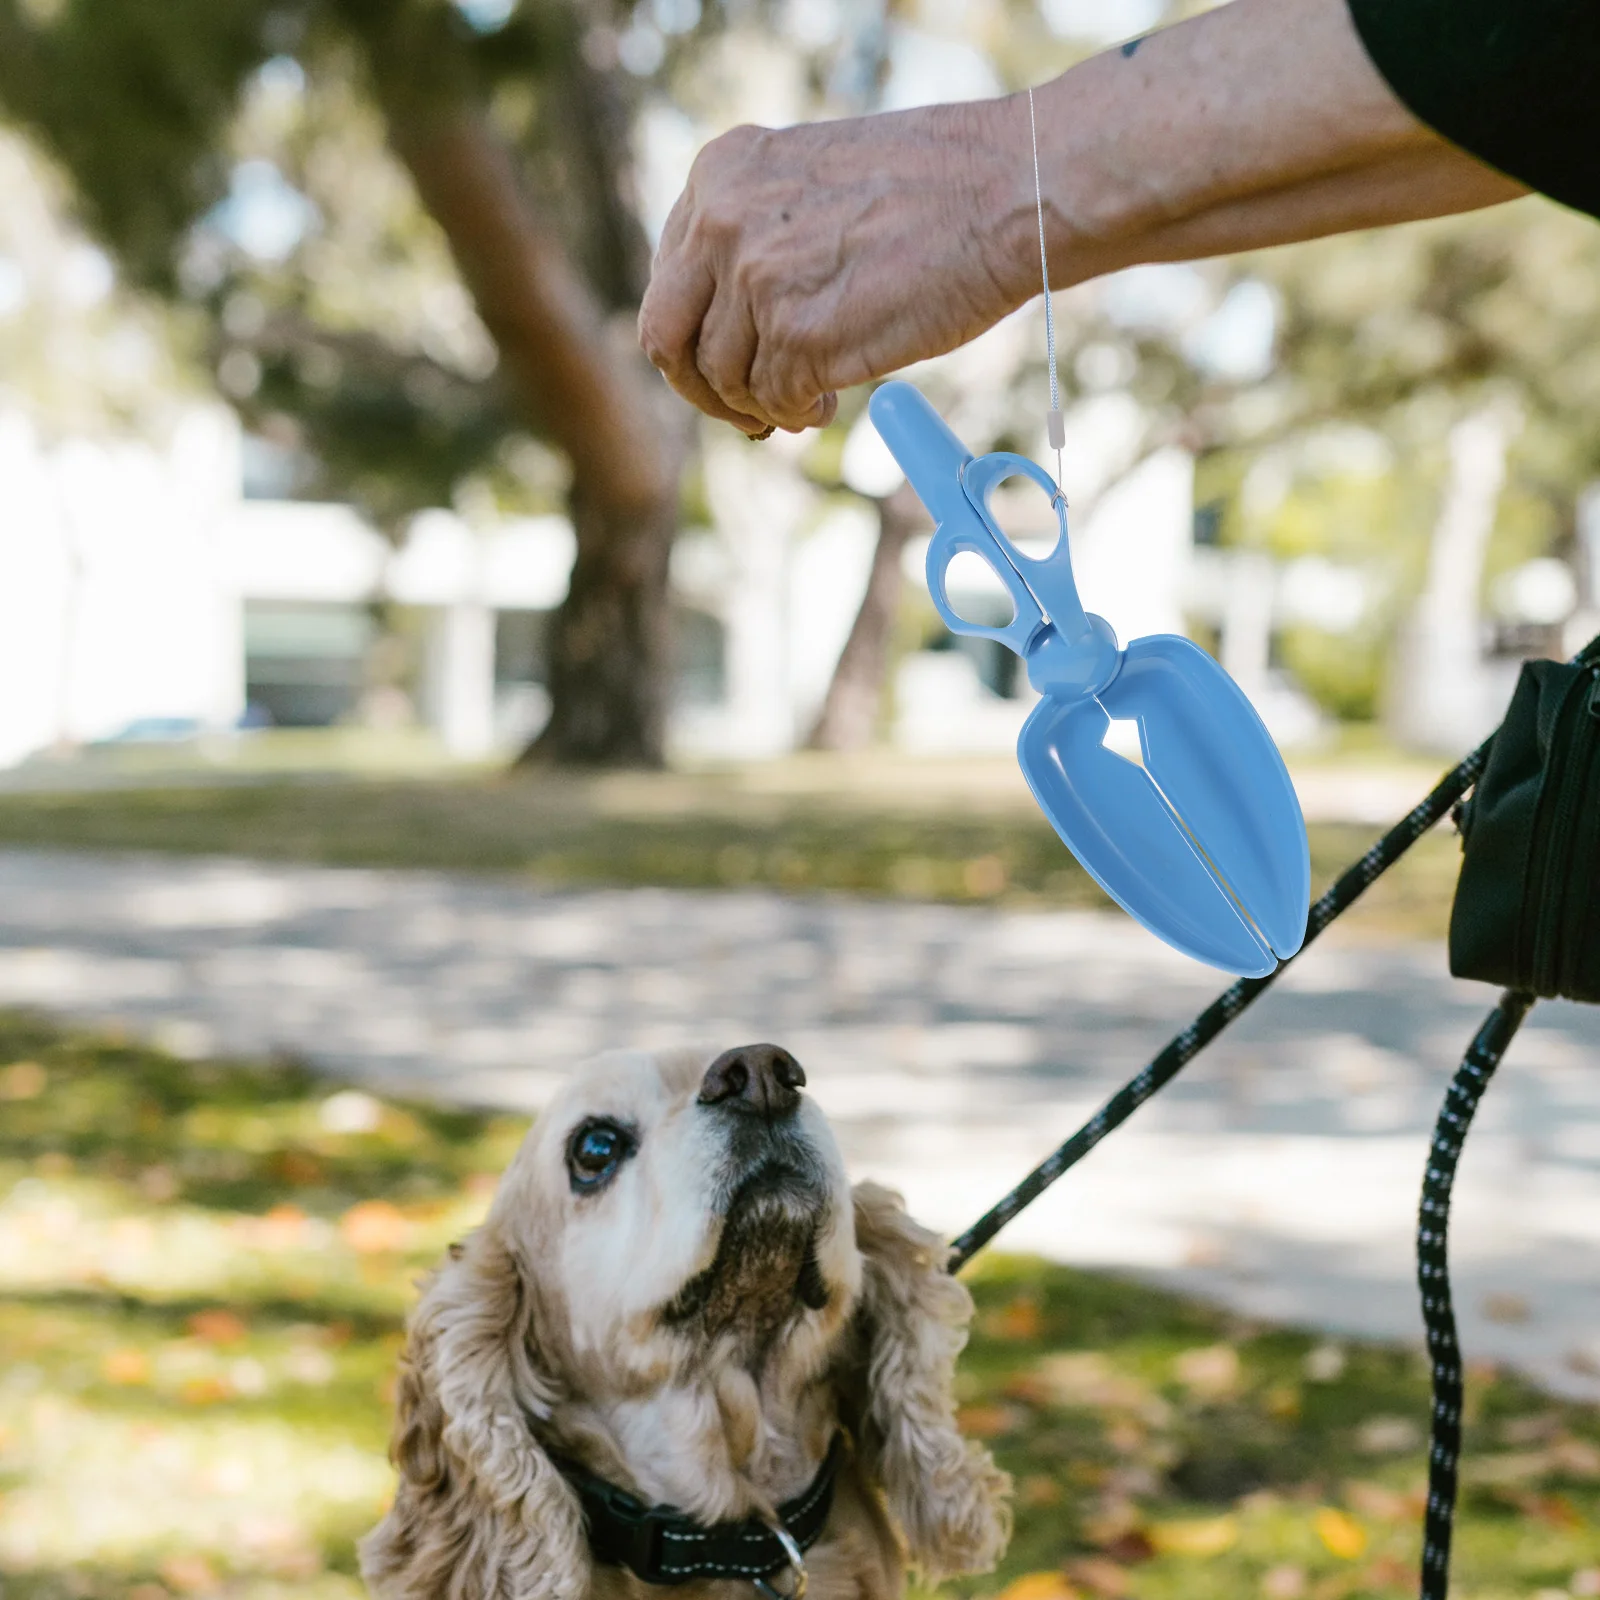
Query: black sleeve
{"points": [[1514, 82]]}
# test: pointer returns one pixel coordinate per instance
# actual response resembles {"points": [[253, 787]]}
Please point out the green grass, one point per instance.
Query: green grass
{"points": [[929, 832], [204, 1270]]}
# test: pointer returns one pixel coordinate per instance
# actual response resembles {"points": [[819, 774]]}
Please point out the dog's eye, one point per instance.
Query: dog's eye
{"points": [[595, 1152]]}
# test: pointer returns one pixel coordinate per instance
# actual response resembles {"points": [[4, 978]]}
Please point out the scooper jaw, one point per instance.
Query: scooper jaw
{"points": [[1204, 844]]}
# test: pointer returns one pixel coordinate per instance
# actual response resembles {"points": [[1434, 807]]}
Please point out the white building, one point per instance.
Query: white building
{"points": [[143, 594]]}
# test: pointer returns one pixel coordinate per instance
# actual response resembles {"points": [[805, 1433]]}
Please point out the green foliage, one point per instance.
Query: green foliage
{"points": [[204, 1269], [1342, 672], [135, 97]]}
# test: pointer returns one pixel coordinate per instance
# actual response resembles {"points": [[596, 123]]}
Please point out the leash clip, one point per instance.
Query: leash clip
{"points": [[797, 1565]]}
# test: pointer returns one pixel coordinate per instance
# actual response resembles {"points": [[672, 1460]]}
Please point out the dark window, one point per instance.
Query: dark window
{"points": [[701, 658], [304, 664]]}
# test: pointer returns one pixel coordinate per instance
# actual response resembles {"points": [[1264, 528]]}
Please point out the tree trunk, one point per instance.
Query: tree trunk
{"points": [[849, 714], [609, 659], [598, 402]]}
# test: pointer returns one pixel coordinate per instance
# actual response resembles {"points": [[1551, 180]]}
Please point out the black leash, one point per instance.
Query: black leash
{"points": [[1345, 891], [1433, 1278], [1471, 1079]]}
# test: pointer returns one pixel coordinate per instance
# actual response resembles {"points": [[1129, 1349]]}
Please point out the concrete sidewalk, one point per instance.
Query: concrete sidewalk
{"points": [[952, 1047]]}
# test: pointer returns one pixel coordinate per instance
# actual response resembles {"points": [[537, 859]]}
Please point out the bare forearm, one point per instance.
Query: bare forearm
{"points": [[804, 260], [1259, 123]]}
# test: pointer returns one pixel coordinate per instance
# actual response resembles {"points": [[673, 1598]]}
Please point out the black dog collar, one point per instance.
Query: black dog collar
{"points": [[659, 1544]]}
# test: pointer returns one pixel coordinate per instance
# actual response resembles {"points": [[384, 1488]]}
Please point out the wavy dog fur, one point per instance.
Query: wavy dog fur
{"points": [[560, 1326]]}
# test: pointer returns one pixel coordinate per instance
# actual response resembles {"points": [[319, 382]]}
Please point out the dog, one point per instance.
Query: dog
{"points": [[678, 1302]]}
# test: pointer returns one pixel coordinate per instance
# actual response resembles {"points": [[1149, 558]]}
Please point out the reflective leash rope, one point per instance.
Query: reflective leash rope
{"points": [[1455, 1118], [1345, 891], [1433, 1278]]}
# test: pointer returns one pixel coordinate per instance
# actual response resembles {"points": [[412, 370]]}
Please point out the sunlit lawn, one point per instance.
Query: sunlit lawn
{"points": [[922, 831], [203, 1271]]}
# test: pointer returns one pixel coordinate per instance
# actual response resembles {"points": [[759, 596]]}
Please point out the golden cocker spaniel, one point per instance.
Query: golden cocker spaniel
{"points": [[679, 1305]]}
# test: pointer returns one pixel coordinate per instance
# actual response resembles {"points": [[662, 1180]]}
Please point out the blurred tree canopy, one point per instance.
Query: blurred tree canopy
{"points": [[409, 229], [408, 237]]}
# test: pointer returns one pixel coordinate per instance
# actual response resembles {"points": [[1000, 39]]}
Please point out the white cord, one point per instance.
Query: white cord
{"points": [[1057, 428]]}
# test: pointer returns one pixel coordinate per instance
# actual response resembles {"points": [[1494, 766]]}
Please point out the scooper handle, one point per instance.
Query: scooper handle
{"points": [[934, 461]]}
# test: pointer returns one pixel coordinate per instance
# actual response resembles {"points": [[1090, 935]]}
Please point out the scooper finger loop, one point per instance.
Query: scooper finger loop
{"points": [[1203, 843]]}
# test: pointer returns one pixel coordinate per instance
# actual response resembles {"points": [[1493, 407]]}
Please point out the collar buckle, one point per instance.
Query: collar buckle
{"points": [[797, 1566]]}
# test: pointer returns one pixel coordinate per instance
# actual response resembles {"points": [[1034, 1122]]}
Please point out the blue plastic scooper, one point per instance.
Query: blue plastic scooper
{"points": [[1204, 844]]}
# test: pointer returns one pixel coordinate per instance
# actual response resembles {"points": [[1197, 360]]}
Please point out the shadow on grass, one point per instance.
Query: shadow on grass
{"points": [[668, 831]]}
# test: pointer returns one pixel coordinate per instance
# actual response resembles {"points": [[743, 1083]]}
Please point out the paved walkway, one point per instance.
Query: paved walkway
{"points": [[952, 1047]]}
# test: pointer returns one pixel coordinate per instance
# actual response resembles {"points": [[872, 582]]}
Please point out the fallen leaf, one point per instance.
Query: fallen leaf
{"points": [[1130, 1548], [1126, 1437], [374, 1226], [1210, 1373], [248, 1377], [204, 1391], [1282, 1401], [1506, 1308], [1336, 1585], [1506, 1467], [1100, 1576], [1017, 1319], [1086, 1378], [189, 1574], [1585, 1359], [1388, 1436], [1540, 1428], [126, 1367], [1325, 1363], [984, 876], [1111, 1521], [1039, 1491], [1283, 1583], [22, 1080], [218, 1325], [1575, 1458], [1553, 1510], [282, 1228], [158, 1184], [988, 1421], [297, 1167], [1389, 1572], [1380, 1503], [1038, 1586], [1195, 1536], [309, 1364], [1340, 1533], [1029, 1387]]}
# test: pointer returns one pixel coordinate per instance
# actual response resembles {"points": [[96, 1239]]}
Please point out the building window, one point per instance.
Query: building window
{"points": [[701, 658], [305, 664]]}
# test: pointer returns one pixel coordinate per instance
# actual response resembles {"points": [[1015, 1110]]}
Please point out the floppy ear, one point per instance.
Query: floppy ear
{"points": [[945, 1492], [476, 1490]]}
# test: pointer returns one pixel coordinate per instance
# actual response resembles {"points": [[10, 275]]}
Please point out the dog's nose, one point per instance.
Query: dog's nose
{"points": [[754, 1077]]}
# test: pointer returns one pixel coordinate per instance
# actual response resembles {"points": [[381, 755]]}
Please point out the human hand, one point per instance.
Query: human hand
{"points": [[802, 260]]}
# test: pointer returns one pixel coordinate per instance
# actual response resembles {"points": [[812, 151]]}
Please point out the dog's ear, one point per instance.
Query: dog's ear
{"points": [[945, 1492], [475, 1485]]}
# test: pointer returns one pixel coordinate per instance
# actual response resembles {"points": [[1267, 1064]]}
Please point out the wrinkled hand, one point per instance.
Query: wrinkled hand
{"points": [[803, 260]]}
